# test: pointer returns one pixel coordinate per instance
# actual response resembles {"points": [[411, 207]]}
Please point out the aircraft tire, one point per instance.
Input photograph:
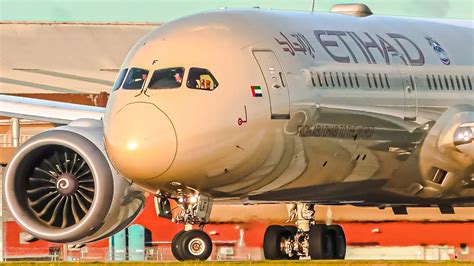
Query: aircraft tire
{"points": [[340, 241], [194, 245], [291, 228], [272, 242], [321, 242], [175, 246]]}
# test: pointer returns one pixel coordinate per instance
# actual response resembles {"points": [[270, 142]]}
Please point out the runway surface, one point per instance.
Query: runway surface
{"points": [[283, 263]]}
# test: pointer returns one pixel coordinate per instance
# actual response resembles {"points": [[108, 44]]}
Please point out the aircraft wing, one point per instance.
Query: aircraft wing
{"points": [[45, 110]]}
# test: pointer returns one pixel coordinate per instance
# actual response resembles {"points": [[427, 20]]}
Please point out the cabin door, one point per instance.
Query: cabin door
{"points": [[275, 81], [407, 84]]}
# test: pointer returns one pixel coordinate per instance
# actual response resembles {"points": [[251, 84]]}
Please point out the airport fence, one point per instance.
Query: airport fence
{"points": [[6, 139], [235, 253]]}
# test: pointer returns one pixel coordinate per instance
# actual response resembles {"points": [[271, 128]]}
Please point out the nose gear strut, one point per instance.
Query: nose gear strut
{"points": [[192, 208]]}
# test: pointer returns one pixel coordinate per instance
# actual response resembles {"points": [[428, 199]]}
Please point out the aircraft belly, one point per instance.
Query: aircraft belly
{"points": [[392, 164]]}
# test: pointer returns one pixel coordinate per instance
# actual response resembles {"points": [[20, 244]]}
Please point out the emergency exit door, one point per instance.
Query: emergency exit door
{"points": [[408, 86], [275, 81]]}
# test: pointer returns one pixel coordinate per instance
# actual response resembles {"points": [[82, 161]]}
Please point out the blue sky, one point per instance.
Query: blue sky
{"points": [[166, 10]]}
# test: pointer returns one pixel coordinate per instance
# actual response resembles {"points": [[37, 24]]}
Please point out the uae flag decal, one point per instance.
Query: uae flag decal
{"points": [[256, 91]]}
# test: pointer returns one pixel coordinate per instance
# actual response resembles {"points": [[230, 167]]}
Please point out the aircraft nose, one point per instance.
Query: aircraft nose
{"points": [[141, 141]]}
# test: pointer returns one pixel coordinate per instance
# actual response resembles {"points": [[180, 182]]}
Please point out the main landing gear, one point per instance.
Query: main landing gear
{"points": [[194, 209], [318, 241]]}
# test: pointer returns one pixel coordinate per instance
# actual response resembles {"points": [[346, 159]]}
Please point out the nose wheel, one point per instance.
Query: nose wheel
{"points": [[191, 245]]}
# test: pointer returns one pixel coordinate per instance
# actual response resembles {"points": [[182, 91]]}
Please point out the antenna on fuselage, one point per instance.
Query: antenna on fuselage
{"points": [[312, 7]]}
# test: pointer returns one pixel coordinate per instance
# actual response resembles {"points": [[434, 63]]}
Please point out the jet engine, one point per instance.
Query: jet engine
{"points": [[447, 155], [61, 187]]}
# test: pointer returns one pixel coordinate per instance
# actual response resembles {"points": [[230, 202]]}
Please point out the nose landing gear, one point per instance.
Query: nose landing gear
{"points": [[191, 245], [318, 241], [194, 209]]}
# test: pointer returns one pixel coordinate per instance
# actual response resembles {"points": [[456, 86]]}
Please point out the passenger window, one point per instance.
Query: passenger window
{"points": [[434, 82], [168, 78], [319, 79], [202, 79], [332, 80], [368, 80], [357, 80], [457, 82], [350, 80], [386, 81], [452, 82], [312, 79], [119, 80], [344, 79], [446, 82], [375, 80], [135, 79]]}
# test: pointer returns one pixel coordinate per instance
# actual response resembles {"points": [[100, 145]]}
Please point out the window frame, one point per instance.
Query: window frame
{"points": [[129, 72], [209, 73], [125, 73], [167, 88]]}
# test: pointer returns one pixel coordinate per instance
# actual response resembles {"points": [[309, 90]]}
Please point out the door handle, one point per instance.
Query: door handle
{"points": [[276, 86], [281, 78]]}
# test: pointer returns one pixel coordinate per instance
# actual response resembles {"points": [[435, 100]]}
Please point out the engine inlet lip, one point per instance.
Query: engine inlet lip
{"points": [[102, 200]]}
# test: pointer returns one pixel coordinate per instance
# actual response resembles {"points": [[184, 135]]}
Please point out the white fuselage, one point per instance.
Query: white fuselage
{"points": [[315, 107]]}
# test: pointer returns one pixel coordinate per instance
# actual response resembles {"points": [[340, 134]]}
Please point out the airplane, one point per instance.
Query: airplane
{"points": [[257, 107]]}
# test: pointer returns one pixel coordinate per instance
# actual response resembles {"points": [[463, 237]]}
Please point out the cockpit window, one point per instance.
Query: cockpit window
{"points": [[135, 79], [119, 80], [202, 79], [168, 78]]}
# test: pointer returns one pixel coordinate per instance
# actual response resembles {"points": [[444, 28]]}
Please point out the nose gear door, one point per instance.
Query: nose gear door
{"points": [[276, 84]]}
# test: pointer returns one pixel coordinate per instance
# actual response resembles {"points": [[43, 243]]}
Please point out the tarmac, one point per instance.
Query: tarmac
{"points": [[282, 263]]}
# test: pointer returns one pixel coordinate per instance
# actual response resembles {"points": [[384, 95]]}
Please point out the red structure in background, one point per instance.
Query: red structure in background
{"points": [[358, 234], [93, 99]]}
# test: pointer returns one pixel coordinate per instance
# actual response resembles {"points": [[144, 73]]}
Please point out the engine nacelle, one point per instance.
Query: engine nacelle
{"points": [[447, 156], [61, 187]]}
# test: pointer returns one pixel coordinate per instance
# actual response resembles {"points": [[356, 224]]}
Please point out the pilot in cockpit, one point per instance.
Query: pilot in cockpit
{"points": [[178, 78], [142, 78], [135, 79]]}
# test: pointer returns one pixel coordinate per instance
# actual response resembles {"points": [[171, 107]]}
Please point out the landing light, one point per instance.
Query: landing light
{"points": [[193, 199], [463, 135], [132, 146]]}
